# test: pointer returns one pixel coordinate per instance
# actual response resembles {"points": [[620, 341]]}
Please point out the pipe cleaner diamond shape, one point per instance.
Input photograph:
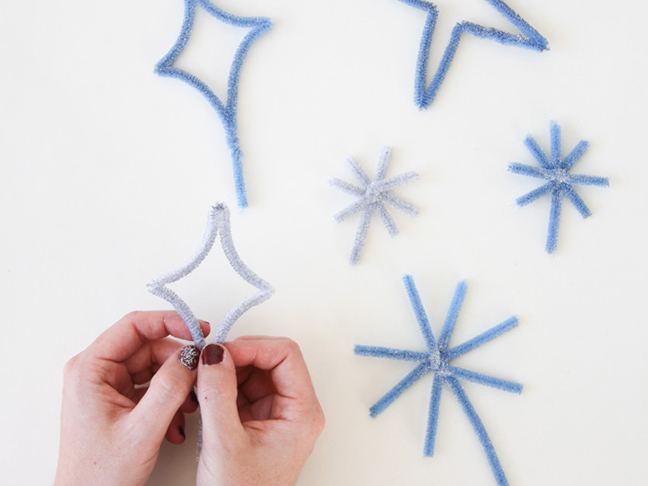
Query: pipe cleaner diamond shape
{"points": [[436, 360], [226, 110], [218, 222]]}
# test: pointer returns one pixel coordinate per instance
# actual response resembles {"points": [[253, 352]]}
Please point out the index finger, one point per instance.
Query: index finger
{"points": [[281, 357], [131, 332]]}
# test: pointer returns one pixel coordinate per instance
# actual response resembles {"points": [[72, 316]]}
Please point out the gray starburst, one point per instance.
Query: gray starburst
{"points": [[372, 197]]}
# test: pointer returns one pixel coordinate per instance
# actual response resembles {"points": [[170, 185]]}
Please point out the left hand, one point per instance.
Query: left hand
{"points": [[112, 428]]}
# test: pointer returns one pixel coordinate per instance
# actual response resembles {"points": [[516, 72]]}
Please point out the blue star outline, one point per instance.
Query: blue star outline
{"points": [[555, 170], [226, 110], [436, 359], [424, 95]]}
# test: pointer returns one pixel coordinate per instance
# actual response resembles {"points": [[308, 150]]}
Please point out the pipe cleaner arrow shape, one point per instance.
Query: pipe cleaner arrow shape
{"points": [[424, 95], [217, 222], [226, 110], [436, 360]]}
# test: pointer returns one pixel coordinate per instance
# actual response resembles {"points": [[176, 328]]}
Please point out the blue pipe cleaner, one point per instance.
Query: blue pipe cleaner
{"points": [[226, 111], [218, 222], [436, 359], [555, 170], [371, 198], [529, 38]]}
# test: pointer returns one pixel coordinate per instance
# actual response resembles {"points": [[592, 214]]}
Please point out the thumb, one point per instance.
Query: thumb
{"points": [[217, 391], [167, 391]]}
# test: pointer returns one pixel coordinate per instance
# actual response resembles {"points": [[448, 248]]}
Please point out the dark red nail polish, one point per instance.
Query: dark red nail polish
{"points": [[182, 432], [188, 357], [212, 354], [194, 398]]}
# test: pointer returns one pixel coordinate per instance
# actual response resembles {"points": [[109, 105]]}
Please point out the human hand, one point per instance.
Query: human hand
{"points": [[260, 415], [111, 428]]}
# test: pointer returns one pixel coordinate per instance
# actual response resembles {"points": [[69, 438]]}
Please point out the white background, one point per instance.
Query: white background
{"points": [[107, 172]]}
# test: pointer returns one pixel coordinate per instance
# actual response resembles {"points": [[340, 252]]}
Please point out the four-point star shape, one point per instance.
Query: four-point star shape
{"points": [[528, 37], [218, 222], [436, 359], [371, 197], [226, 109], [555, 170]]}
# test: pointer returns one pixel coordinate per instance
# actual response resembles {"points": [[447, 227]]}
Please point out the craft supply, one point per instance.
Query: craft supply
{"points": [[436, 360], [371, 198], [218, 223], [555, 170], [226, 110], [423, 94]]}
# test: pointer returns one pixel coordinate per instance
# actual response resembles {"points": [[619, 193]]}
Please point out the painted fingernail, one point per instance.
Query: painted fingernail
{"points": [[182, 432], [194, 398], [212, 354], [189, 357]]}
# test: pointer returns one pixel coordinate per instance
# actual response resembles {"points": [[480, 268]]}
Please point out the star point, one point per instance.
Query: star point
{"points": [[425, 94]]}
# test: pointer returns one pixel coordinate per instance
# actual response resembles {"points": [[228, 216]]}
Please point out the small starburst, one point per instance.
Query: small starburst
{"points": [[436, 360], [371, 198], [226, 109], [555, 170], [218, 222]]}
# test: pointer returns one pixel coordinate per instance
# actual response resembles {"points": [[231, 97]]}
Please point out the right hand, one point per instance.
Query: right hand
{"points": [[260, 415]]}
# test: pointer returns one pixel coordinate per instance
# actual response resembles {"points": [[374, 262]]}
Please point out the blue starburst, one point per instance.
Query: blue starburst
{"points": [[555, 170], [436, 360], [528, 37], [226, 110]]}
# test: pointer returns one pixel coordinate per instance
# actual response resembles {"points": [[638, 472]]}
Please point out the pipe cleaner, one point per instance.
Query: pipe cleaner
{"points": [[424, 95], [555, 170], [436, 360], [371, 198], [226, 110], [217, 222]]}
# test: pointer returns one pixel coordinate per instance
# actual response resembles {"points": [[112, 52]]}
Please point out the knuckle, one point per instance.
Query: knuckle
{"points": [[132, 316], [168, 386], [71, 368], [291, 345], [319, 421]]}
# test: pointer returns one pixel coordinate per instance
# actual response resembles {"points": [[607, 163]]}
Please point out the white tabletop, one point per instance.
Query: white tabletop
{"points": [[107, 172]]}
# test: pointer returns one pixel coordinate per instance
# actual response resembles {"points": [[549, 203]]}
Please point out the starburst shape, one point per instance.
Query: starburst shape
{"points": [[218, 223], [436, 360], [371, 198], [555, 170], [226, 109], [528, 38]]}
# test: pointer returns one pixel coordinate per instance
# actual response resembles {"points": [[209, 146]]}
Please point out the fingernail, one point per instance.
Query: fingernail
{"points": [[189, 357], [212, 354], [193, 397], [182, 432]]}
